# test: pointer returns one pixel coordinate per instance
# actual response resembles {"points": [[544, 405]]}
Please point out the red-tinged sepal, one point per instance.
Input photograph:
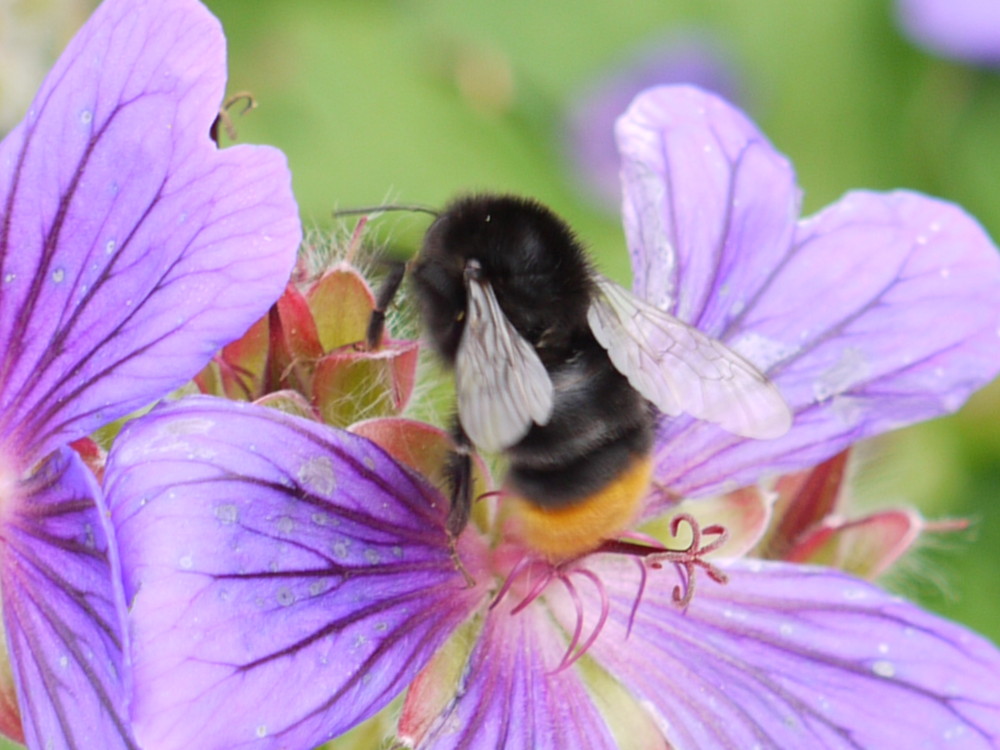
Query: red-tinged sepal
{"points": [[866, 547], [351, 384], [341, 303]]}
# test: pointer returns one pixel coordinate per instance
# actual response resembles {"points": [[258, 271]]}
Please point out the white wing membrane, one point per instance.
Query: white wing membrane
{"points": [[681, 370], [502, 385]]}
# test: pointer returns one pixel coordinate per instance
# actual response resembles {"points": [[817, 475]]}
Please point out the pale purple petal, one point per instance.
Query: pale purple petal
{"points": [[286, 579], [692, 56], [787, 656], [511, 696], [130, 247], [709, 206], [64, 610], [884, 312], [881, 311], [961, 29]]}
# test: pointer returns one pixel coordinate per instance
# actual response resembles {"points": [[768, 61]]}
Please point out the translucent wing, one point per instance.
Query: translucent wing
{"points": [[502, 385], [681, 370]]}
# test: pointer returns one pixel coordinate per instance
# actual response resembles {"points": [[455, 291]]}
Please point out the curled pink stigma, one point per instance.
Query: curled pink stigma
{"points": [[686, 560]]}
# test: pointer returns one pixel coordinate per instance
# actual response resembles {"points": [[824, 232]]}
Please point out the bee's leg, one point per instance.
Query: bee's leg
{"points": [[383, 298], [459, 475]]}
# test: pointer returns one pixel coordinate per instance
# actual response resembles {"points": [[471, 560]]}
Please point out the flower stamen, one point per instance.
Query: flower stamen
{"points": [[686, 560], [571, 657]]}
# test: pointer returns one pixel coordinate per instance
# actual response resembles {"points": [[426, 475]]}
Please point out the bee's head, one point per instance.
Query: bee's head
{"points": [[529, 257]]}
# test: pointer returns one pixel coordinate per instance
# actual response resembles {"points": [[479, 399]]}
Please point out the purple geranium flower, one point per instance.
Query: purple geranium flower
{"points": [[286, 580], [131, 248], [967, 30]]}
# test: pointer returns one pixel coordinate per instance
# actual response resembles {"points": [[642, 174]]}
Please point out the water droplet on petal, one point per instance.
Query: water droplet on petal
{"points": [[58, 275], [110, 247], [9, 277], [955, 732], [884, 668], [86, 117], [227, 514], [285, 525], [762, 351], [851, 369], [261, 731], [285, 597], [186, 562], [317, 475]]}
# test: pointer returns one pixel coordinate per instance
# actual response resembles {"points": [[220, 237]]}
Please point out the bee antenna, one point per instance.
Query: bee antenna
{"points": [[385, 207]]}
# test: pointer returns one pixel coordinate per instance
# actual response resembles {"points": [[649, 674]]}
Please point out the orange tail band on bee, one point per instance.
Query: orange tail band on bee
{"points": [[564, 533]]}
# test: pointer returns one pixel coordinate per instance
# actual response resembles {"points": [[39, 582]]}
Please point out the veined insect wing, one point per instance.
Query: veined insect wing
{"points": [[681, 370], [502, 385]]}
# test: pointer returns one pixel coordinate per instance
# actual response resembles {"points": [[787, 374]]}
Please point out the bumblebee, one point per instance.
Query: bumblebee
{"points": [[563, 371]]}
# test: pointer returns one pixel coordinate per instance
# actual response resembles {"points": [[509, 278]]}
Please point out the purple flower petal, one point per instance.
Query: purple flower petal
{"points": [[961, 29], [64, 610], [130, 247], [709, 207], [286, 579], [692, 56], [510, 696], [792, 656], [880, 311]]}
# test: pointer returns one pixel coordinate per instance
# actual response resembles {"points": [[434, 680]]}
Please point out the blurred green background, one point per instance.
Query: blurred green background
{"points": [[417, 100]]}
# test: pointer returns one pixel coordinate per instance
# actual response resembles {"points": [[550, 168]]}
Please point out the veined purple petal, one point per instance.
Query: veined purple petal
{"points": [[788, 656], [511, 697], [709, 206], [884, 312], [880, 311], [130, 247], [961, 29], [286, 579], [692, 56], [64, 610]]}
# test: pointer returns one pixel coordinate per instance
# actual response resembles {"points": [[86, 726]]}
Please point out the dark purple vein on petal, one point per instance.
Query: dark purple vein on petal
{"points": [[26, 575]]}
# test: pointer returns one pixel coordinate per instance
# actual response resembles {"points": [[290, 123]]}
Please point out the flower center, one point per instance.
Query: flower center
{"points": [[527, 576]]}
